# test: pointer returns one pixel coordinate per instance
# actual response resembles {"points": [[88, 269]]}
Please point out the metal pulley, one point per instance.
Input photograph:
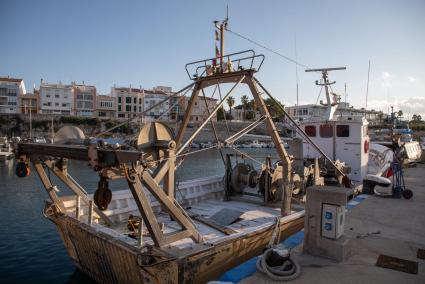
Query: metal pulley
{"points": [[153, 140], [103, 195]]}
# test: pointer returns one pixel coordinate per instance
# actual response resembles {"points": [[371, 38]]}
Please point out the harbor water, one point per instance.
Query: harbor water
{"points": [[31, 250]]}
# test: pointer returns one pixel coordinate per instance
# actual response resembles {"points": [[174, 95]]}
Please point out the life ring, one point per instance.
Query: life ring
{"points": [[366, 146]]}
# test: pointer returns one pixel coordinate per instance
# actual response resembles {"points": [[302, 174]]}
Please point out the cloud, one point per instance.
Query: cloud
{"points": [[412, 79], [410, 106]]}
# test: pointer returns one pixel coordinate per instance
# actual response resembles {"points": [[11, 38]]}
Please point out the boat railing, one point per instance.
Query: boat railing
{"points": [[243, 60]]}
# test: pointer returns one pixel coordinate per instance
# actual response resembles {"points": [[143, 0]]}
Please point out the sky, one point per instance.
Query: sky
{"points": [[148, 43]]}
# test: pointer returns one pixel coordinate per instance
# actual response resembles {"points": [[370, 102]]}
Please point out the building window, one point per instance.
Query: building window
{"points": [[310, 130], [119, 108], [56, 104], [134, 108], [140, 101], [342, 131], [47, 96], [140, 109], [57, 96], [121, 115], [326, 130], [134, 100], [119, 99], [128, 100], [127, 108], [64, 105]]}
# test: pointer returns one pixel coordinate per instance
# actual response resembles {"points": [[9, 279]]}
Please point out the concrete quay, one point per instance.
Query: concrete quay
{"points": [[394, 227]]}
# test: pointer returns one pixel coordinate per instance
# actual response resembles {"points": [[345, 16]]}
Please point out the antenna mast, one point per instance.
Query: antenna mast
{"points": [[220, 27], [332, 105], [367, 86]]}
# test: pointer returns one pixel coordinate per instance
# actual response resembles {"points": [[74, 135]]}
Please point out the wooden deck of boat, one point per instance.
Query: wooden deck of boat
{"points": [[253, 216]]}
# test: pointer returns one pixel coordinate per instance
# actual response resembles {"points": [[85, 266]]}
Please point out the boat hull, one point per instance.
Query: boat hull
{"points": [[108, 260]]}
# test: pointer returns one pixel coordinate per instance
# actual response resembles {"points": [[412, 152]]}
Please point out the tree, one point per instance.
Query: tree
{"points": [[414, 117], [274, 109], [245, 102], [230, 102], [220, 114], [400, 113]]}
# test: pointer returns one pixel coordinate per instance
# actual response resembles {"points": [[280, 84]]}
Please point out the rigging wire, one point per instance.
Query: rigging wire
{"points": [[267, 48], [318, 96], [185, 90]]}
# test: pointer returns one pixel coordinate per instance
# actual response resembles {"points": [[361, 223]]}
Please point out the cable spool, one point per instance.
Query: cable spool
{"points": [[69, 135], [243, 175], [153, 140]]}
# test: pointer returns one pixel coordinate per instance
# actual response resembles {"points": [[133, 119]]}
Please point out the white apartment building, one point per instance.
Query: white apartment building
{"points": [[303, 112], [129, 101], [84, 99], [153, 97], [10, 91], [56, 99], [200, 111]]}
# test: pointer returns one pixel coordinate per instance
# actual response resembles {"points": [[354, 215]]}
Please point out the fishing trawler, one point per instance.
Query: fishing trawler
{"points": [[151, 234]]}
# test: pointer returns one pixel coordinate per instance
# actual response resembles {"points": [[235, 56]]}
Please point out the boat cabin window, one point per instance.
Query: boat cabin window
{"points": [[326, 131], [310, 130], [342, 131]]}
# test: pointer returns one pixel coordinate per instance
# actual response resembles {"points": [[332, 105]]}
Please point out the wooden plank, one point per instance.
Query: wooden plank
{"points": [[160, 171], [48, 185], [172, 209], [283, 155], [176, 236], [146, 210], [212, 224], [187, 115], [169, 178]]}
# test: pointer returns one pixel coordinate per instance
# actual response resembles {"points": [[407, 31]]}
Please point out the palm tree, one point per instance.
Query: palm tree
{"points": [[414, 117], [244, 101], [400, 113], [231, 102]]}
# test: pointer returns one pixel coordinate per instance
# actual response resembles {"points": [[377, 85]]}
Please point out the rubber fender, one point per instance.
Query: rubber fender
{"points": [[22, 169]]}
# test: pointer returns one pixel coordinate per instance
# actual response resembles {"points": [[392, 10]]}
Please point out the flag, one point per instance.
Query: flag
{"points": [[217, 52]]}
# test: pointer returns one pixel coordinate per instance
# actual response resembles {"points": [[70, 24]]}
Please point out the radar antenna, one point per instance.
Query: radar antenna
{"points": [[331, 104]]}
